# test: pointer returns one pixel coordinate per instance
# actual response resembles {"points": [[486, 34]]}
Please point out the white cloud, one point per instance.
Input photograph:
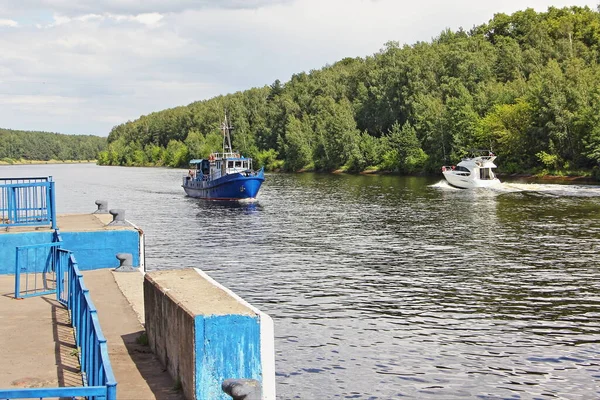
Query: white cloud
{"points": [[35, 100], [61, 19], [148, 18], [130, 7], [8, 22], [85, 66], [145, 19]]}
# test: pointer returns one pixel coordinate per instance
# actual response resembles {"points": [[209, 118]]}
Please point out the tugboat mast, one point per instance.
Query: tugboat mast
{"points": [[226, 128]]}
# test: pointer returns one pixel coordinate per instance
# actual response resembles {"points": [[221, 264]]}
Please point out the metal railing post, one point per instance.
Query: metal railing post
{"points": [[17, 276], [58, 274], [111, 391], [12, 211], [52, 203]]}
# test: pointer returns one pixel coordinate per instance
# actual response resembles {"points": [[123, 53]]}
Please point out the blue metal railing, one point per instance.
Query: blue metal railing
{"points": [[27, 202], [95, 364], [96, 370], [37, 264], [97, 392]]}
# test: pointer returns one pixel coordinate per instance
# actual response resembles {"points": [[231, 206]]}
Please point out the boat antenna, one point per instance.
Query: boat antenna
{"points": [[226, 128]]}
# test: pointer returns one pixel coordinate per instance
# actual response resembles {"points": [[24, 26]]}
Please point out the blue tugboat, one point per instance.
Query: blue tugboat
{"points": [[223, 176]]}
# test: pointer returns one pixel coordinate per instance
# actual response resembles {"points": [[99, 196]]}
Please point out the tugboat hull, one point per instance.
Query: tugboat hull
{"points": [[226, 188]]}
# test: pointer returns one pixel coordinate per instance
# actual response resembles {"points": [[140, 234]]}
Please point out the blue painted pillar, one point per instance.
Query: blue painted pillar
{"points": [[204, 334]]}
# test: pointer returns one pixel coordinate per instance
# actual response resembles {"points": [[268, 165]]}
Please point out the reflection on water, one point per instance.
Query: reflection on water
{"points": [[384, 287], [224, 206]]}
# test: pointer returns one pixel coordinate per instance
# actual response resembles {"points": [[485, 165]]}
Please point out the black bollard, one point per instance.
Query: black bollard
{"points": [[118, 217], [102, 207], [126, 263], [242, 389]]}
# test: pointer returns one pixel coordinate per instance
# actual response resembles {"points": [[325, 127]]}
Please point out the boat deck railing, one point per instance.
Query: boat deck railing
{"points": [[225, 155], [480, 158], [209, 177]]}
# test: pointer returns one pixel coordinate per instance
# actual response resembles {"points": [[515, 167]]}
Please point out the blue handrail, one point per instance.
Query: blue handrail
{"points": [[98, 392], [27, 202], [95, 364], [98, 377]]}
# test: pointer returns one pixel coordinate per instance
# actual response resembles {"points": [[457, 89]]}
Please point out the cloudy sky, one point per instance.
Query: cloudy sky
{"points": [[84, 66]]}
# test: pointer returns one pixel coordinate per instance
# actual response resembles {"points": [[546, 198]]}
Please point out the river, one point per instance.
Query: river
{"points": [[383, 287]]}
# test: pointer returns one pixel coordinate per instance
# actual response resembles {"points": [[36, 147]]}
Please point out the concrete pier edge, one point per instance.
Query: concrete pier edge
{"points": [[195, 324], [267, 332]]}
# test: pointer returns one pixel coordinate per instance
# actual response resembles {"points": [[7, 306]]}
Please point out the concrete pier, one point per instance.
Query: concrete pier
{"points": [[91, 237], [169, 334], [38, 349]]}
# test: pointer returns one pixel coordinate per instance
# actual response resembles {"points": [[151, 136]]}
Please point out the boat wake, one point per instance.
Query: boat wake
{"points": [[443, 184], [551, 190]]}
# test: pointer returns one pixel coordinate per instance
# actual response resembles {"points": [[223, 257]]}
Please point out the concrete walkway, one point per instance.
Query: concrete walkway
{"points": [[37, 343], [139, 373]]}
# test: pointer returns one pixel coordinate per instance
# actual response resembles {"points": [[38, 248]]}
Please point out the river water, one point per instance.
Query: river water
{"points": [[383, 287]]}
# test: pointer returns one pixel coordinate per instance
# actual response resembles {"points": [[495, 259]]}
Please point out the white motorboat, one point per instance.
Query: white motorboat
{"points": [[472, 172]]}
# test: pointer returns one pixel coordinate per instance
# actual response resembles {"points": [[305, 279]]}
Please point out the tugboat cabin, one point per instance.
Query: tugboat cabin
{"points": [[220, 164]]}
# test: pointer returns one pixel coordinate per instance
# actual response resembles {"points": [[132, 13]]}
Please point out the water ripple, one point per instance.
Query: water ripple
{"points": [[384, 287]]}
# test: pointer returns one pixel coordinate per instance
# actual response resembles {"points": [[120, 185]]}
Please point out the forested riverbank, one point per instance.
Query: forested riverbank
{"points": [[525, 85], [33, 147]]}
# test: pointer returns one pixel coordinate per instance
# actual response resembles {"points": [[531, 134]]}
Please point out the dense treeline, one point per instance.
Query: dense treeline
{"points": [[525, 85], [45, 146]]}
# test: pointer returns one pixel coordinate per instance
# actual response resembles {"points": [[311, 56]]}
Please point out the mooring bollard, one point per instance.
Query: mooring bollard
{"points": [[118, 217], [102, 207], [125, 263], [242, 389]]}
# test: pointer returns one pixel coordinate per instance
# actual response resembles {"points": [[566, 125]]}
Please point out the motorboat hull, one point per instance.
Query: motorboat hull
{"points": [[467, 182]]}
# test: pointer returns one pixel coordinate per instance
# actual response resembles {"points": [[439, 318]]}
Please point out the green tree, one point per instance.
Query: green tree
{"points": [[297, 144], [195, 143], [176, 154], [506, 130]]}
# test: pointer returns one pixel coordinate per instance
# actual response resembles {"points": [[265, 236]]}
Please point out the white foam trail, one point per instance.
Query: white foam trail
{"points": [[443, 184], [539, 188], [555, 189]]}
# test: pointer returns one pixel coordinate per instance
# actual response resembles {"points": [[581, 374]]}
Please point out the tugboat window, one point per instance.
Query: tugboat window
{"points": [[205, 167]]}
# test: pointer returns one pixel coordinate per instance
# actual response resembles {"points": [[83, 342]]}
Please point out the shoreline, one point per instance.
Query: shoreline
{"points": [[524, 177], [36, 162]]}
